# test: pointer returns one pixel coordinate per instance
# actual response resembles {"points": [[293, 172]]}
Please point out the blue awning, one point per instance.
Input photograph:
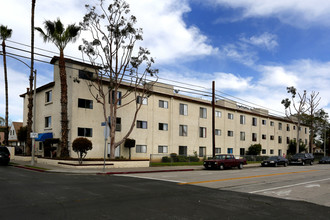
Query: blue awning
{"points": [[44, 136]]}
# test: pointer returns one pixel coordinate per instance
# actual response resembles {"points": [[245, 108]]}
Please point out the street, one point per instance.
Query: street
{"points": [[28, 194]]}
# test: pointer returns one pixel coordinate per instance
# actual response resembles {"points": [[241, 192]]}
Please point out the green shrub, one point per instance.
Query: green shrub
{"points": [[166, 159], [81, 146], [182, 158], [193, 159]]}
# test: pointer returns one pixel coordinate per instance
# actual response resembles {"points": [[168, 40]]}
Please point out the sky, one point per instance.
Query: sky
{"points": [[252, 49]]}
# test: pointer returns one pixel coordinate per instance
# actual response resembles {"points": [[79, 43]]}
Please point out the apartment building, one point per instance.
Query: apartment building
{"points": [[168, 122]]}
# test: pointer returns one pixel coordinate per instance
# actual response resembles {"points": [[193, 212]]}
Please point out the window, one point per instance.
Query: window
{"points": [[141, 148], [305, 130], [279, 126], [202, 132], [271, 123], [294, 127], [85, 103], [83, 74], [202, 151], [287, 127], [85, 132], [183, 109], [242, 136], [280, 139], [306, 141], [48, 122], [183, 130], [163, 126], [230, 133], [48, 96], [218, 114], [163, 104], [142, 100], [183, 150], [218, 150], [229, 150], [242, 119], [217, 132], [254, 121], [263, 136], [264, 122], [272, 137], [263, 151], [287, 140], [230, 116], [114, 97], [242, 151], [271, 151], [254, 136], [202, 112], [142, 124], [162, 149], [118, 124]]}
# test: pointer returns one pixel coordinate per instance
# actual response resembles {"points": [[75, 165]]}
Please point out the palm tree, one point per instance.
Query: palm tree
{"points": [[31, 78], [5, 33], [60, 36]]}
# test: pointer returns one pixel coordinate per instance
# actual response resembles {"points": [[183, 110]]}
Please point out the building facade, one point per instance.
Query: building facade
{"points": [[167, 122], [13, 131]]}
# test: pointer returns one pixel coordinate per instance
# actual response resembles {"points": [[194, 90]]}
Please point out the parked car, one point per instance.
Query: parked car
{"points": [[325, 159], [302, 158], [275, 161], [4, 155], [224, 161]]}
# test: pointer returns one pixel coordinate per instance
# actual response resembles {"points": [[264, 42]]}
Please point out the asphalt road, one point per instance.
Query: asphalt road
{"points": [[32, 195]]}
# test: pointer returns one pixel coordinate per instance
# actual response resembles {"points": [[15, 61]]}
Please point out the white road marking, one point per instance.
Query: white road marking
{"points": [[313, 185], [150, 178], [298, 184]]}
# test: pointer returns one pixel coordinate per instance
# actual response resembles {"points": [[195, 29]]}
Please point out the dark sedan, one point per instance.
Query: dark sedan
{"points": [[4, 155], [325, 159], [275, 161]]}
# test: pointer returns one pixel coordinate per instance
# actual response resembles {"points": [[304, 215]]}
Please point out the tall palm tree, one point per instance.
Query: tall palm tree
{"points": [[5, 33], [60, 36], [30, 97]]}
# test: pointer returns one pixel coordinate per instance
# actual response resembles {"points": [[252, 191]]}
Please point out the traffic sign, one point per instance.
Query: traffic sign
{"points": [[33, 135]]}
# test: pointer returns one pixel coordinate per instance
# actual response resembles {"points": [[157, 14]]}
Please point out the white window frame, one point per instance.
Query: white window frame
{"points": [[231, 116], [202, 132], [218, 114], [183, 130], [141, 148], [162, 149], [183, 109], [163, 104], [202, 112]]}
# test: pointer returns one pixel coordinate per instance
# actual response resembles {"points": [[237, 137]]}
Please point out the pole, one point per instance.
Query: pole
{"points": [[324, 140], [105, 143], [213, 118], [34, 115]]}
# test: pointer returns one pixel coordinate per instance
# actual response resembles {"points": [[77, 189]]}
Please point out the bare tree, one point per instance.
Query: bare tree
{"points": [[298, 106], [313, 103], [112, 44]]}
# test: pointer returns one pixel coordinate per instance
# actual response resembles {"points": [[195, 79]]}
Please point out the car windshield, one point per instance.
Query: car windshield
{"points": [[4, 149], [273, 158], [299, 156], [220, 157], [325, 158]]}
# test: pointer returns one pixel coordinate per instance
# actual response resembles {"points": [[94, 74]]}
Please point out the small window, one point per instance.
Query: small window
{"points": [[254, 136], [230, 133], [83, 74], [163, 104], [163, 126], [305, 130], [202, 132], [263, 151], [280, 139], [287, 140], [272, 123], [202, 152], [294, 127], [287, 127], [141, 124], [229, 150], [272, 137], [242, 136], [118, 124], [142, 100], [183, 150], [254, 121], [48, 96], [217, 132], [118, 97], [48, 122], [85, 132], [264, 136], [183, 130], [242, 151], [85, 103], [279, 126], [183, 109], [230, 116], [271, 151], [264, 122], [162, 149], [242, 119], [202, 112], [141, 148], [218, 114], [218, 150]]}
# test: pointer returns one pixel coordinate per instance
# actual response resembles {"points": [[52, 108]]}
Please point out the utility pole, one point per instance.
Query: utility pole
{"points": [[213, 118]]}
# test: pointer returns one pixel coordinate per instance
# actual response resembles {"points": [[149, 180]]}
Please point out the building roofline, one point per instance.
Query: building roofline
{"points": [[67, 60], [41, 88]]}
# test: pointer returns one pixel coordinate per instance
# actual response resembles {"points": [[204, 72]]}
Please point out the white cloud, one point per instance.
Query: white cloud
{"points": [[265, 40], [294, 12]]}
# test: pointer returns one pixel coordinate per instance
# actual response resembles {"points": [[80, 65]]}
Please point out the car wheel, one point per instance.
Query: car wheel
{"points": [[311, 163], [221, 167], [240, 166], [303, 163], [285, 164]]}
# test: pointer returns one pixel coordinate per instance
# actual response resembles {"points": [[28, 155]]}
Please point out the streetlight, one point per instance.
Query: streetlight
{"points": [[34, 107]]}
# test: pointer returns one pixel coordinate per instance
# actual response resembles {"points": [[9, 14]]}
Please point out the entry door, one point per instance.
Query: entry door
{"points": [[117, 151]]}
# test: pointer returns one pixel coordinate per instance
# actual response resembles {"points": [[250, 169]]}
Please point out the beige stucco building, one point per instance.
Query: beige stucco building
{"points": [[167, 122]]}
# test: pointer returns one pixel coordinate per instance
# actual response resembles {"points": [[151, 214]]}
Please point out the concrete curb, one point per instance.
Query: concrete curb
{"points": [[147, 171]]}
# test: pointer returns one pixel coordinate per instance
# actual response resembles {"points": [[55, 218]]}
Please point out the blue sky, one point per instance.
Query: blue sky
{"points": [[253, 49]]}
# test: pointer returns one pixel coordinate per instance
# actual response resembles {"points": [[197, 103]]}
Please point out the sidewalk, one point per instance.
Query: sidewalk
{"points": [[108, 170]]}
